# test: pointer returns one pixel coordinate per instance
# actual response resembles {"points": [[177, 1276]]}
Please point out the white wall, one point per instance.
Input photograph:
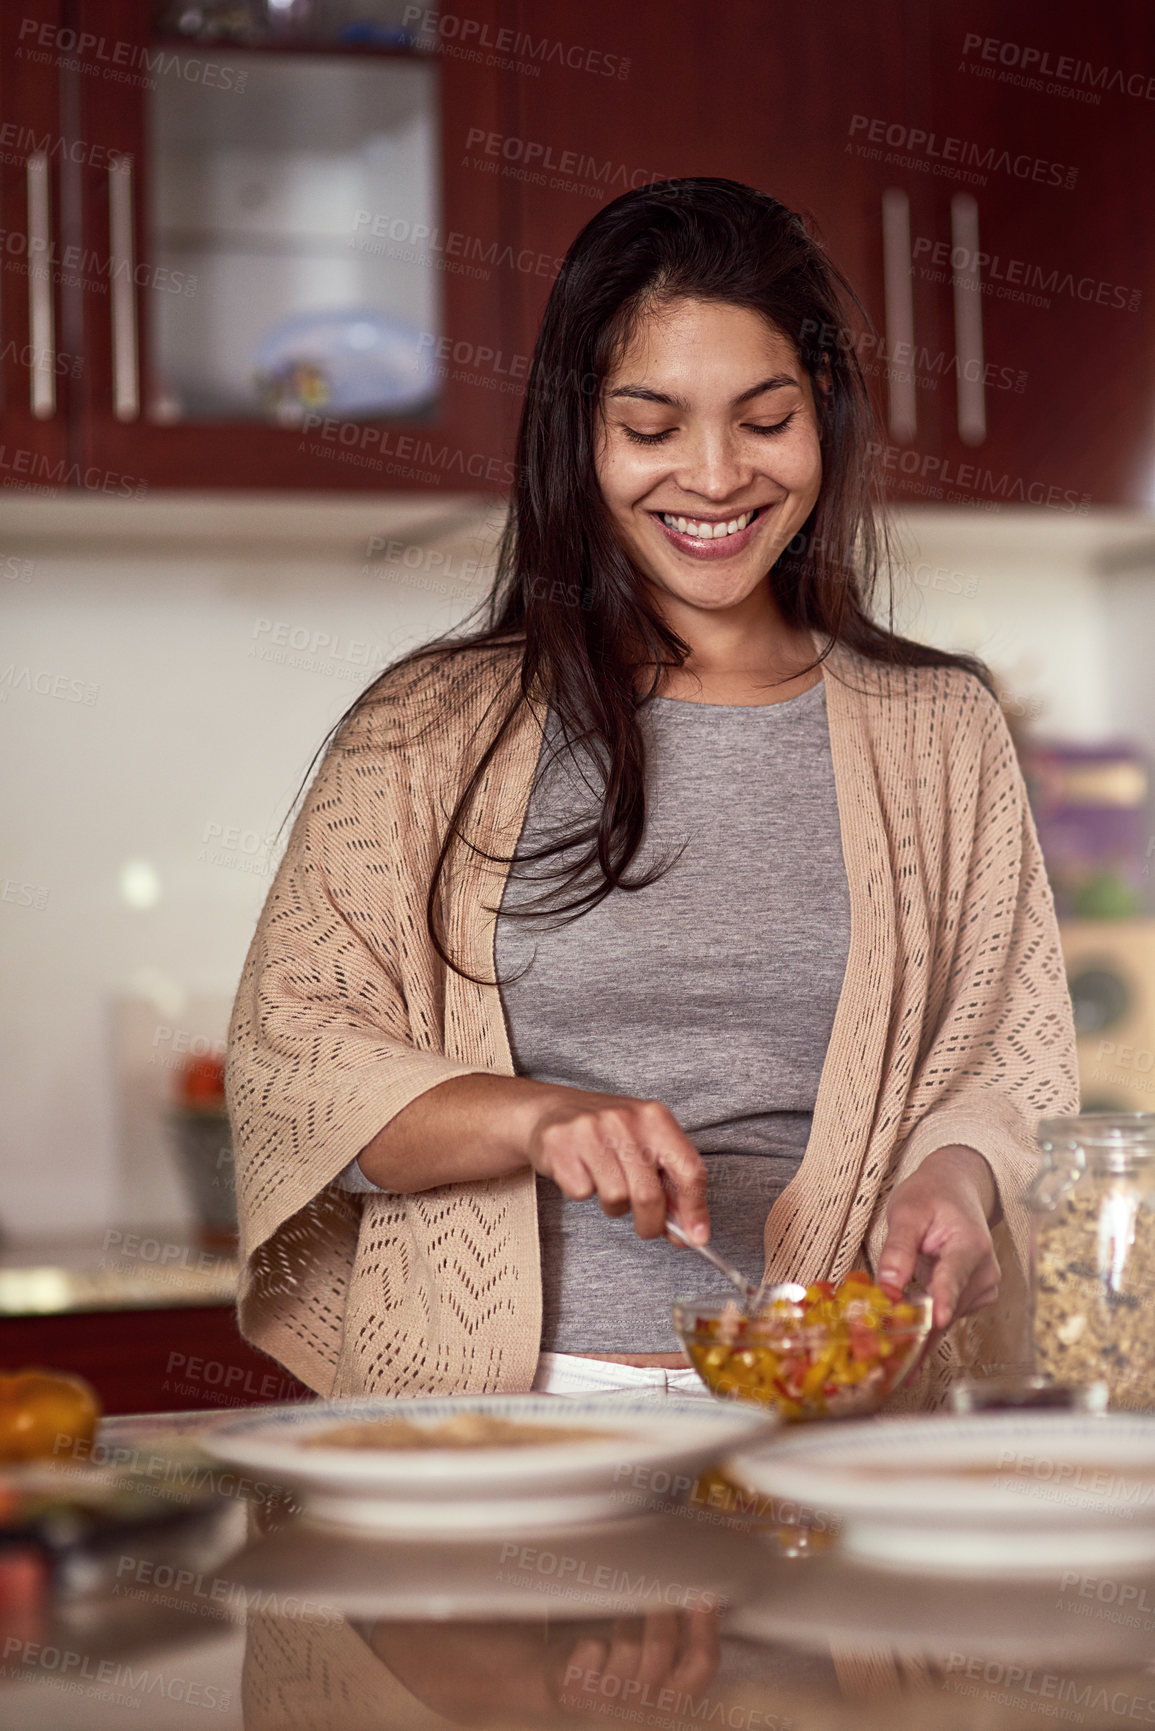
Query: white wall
{"points": [[163, 613], [1024, 591], [168, 728]]}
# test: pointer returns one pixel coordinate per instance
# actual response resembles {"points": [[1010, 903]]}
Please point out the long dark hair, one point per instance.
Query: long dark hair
{"points": [[567, 591]]}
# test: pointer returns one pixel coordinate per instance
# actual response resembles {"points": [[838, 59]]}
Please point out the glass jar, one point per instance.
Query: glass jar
{"points": [[1093, 1212]]}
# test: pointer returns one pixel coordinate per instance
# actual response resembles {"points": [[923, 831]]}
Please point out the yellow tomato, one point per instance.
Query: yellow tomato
{"points": [[40, 1407]]}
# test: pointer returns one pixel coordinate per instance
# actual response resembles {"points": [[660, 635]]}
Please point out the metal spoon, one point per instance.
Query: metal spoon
{"points": [[746, 1287]]}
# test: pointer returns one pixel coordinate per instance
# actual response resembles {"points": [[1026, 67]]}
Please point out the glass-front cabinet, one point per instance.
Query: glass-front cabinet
{"points": [[289, 233], [259, 238]]}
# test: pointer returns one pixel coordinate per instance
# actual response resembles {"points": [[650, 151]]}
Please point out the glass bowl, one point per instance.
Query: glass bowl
{"points": [[799, 1355]]}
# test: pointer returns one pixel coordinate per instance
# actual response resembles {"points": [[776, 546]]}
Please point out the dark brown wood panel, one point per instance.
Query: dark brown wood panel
{"points": [[827, 107], [1056, 102], [172, 1360], [767, 92]]}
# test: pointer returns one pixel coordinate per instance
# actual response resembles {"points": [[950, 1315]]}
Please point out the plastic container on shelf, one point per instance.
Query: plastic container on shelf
{"points": [[199, 1125]]}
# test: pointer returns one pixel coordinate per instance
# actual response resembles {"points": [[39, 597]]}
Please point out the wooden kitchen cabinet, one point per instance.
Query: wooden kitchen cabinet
{"points": [[996, 232], [176, 1358], [1060, 100], [759, 92], [213, 191], [845, 111]]}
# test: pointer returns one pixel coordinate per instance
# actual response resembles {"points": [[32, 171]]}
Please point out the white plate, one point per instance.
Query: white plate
{"points": [[652, 1450], [1004, 1493]]}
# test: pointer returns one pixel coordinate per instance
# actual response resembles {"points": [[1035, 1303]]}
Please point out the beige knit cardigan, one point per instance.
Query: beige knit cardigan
{"points": [[953, 1025]]}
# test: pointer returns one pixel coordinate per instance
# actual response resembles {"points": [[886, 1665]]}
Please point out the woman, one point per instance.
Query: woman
{"points": [[775, 952]]}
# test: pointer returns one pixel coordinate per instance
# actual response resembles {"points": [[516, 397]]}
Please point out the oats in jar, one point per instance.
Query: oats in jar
{"points": [[1094, 1287]]}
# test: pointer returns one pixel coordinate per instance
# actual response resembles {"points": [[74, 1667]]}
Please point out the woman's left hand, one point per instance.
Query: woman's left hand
{"points": [[938, 1232]]}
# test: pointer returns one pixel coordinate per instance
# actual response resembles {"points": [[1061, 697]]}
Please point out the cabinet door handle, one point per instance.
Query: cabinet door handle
{"points": [[898, 288], [122, 267], [968, 318], [41, 319]]}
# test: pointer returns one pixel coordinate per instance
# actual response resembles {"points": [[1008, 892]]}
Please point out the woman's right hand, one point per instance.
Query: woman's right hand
{"points": [[632, 1154]]}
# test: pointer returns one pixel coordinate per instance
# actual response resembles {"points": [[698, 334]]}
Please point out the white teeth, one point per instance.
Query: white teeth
{"points": [[706, 531]]}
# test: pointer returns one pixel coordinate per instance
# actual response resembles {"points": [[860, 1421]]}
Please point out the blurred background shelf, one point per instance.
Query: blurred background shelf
{"points": [[148, 1320]]}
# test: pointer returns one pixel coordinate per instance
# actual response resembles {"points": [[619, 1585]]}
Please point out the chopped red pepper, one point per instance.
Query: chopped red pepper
{"points": [[838, 1350], [864, 1342]]}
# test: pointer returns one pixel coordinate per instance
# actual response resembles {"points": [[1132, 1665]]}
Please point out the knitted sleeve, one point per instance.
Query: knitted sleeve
{"points": [[336, 1026], [998, 1051]]}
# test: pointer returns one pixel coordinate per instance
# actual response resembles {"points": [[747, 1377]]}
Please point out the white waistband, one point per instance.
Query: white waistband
{"points": [[569, 1373]]}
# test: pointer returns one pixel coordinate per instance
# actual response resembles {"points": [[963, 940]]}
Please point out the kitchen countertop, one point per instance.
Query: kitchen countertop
{"points": [[116, 1269], [267, 1621]]}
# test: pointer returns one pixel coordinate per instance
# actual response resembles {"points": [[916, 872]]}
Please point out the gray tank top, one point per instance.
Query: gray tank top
{"points": [[713, 990]]}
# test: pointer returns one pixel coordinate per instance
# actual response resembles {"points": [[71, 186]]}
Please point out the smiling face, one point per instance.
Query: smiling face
{"points": [[709, 458]]}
